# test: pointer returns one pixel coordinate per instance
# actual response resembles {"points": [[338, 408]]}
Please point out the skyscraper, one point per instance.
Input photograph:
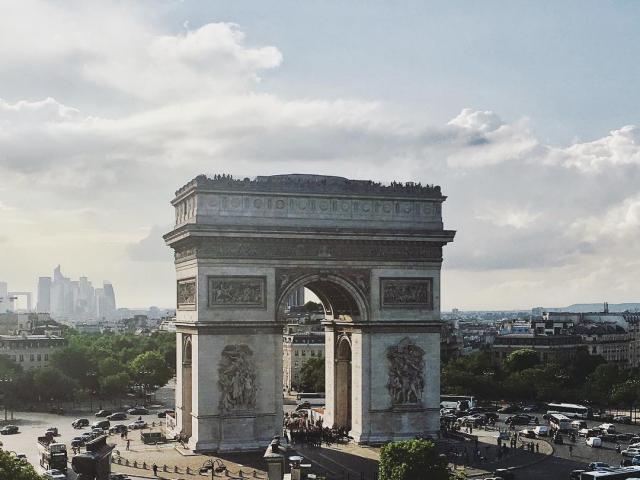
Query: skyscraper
{"points": [[4, 297], [44, 295]]}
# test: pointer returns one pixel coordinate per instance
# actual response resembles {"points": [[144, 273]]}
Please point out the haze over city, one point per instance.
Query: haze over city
{"points": [[105, 110]]}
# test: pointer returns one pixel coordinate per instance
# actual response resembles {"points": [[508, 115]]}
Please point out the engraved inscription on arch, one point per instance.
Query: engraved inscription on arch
{"points": [[406, 293]]}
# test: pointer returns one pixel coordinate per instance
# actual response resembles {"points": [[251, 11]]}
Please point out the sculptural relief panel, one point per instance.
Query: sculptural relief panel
{"points": [[406, 293], [187, 294], [236, 291], [406, 373], [237, 379]]}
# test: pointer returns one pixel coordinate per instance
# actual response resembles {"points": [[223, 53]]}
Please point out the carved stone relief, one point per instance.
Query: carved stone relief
{"points": [[241, 291], [406, 293], [237, 379], [406, 373], [187, 294], [311, 249]]}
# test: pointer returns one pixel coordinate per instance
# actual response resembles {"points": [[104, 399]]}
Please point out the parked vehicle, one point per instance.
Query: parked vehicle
{"points": [[22, 457], [117, 416], [509, 409], [52, 455], [164, 413], [54, 474], [607, 428], [9, 430], [119, 428], [593, 466], [137, 424], [630, 452], [53, 431], [80, 422], [579, 424], [520, 419], [594, 442], [624, 437], [635, 460], [101, 424], [622, 419], [103, 413], [528, 433], [492, 415], [77, 442], [541, 431], [138, 411]]}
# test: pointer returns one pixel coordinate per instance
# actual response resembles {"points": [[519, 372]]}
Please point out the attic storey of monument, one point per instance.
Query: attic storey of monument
{"points": [[372, 253]]}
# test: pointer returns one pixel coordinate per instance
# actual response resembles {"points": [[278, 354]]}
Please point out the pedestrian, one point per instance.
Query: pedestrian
{"points": [[571, 450], [155, 470], [537, 448], [128, 442], [618, 448]]}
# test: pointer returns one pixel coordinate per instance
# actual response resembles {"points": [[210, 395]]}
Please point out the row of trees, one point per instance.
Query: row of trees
{"points": [[524, 377], [93, 366]]}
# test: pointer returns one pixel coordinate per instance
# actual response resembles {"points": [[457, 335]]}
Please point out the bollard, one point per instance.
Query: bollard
{"points": [[175, 469], [255, 474], [188, 472], [240, 474], [135, 464], [164, 468]]}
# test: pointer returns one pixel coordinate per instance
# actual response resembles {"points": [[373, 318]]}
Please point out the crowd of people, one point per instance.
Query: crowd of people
{"points": [[301, 429]]}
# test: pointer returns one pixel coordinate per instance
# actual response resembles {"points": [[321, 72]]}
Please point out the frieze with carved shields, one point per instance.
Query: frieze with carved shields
{"points": [[406, 373], [237, 379]]}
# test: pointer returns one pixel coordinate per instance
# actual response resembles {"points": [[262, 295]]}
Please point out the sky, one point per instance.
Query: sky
{"points": [[526, 114]]}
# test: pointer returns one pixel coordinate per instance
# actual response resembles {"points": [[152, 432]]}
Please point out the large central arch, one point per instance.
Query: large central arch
{"points": [[371, 253]]}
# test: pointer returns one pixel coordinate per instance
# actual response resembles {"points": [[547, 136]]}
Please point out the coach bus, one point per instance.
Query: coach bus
{"points": [[568, 409], [559, 422], [613, 473], [459, 402]]}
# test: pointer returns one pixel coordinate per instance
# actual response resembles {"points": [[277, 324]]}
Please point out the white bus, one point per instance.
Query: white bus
{"points": [[559, 422], [568, 409], [459, 402]]}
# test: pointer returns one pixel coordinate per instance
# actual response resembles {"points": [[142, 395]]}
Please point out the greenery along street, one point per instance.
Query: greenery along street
{"points": [[93, 366], [524, 378], [15, 469]]}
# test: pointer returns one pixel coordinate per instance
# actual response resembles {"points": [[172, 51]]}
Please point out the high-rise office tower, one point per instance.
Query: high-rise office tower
{"points": [[44, 295]]}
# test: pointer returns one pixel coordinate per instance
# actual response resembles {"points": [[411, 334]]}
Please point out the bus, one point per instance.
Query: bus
{"points": [[568, 409], [612, 473], [559, 422], [313, 399], [458, 402], [305, 396]]}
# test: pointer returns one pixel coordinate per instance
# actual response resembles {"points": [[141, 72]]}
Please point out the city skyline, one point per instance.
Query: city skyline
{"points": [[522, 116]]}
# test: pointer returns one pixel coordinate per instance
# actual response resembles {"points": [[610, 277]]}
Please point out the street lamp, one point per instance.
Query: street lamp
{"points": [[6, 381], [214, 466]]}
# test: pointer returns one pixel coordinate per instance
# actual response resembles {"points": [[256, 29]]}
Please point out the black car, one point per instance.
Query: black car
{"points": [[117, 416], [102, 424], [624, 437], [120, 428], [80, 422], [519, 420], [163, 413], [509, 409], [138, 411], [492, 415], [9, 430], [103, 413]]}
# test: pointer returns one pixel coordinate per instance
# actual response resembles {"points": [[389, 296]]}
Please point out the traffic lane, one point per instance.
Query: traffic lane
{"points": [[33, 425]]}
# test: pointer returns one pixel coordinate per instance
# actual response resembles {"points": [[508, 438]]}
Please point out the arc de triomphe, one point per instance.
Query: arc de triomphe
{"points": [[372, 254]]}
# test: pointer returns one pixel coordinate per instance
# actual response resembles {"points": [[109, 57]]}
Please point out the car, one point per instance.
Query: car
{"points": [[303, 406], [87, 436], [528, 433], [608, 437], [597, 466], [584, 432], [594, 442], [630, 452], [607, 428], [103, 413], [492, 415], [101, 424], [138, 411], [52, 431], [635, 460], [117, 416], [622, 419], [119, 476], [635, 439], [164, 413], [541, 431], [77, 442], [579, 424], [634, 445], [624, 437], [80, 422], [520, 419], [509, 409], [137, 424], [119, 428], [9, 430], [54, 475]]}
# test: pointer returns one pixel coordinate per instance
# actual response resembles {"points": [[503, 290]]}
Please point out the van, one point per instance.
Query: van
{"points": [[594, 442], [541, 431]]}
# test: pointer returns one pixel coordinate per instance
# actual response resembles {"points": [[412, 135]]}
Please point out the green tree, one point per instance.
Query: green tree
{"points": [[600, 382], [626, 394], [412, 460], [521, 359], [115, 385], [151, 370], [52, 384], [14, 469], [312, 375], [75, 361]]}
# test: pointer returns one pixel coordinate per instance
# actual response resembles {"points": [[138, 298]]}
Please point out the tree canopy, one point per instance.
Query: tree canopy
{"points": [[14, 469], [412, 460], [312, 375]]}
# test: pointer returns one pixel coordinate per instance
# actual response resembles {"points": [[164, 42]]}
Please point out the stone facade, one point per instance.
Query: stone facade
{"points": [[371, 253], [297, 348]]}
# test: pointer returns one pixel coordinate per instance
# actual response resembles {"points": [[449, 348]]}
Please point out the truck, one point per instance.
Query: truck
{"points": [[53, 455]]}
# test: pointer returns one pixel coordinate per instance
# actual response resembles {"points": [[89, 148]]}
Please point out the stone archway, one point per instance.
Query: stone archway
{"points": [[371, 252]]}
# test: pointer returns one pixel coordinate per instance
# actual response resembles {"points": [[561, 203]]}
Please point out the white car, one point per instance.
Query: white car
{"points": [[634, 445], [594, 442], [541, 431], [54, 475], [607, 427], [137, 424], [630, 452]]}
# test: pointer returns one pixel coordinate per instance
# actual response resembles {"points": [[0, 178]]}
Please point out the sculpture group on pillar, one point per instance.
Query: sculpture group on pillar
{"points": [[406, 373], [237, 378]]}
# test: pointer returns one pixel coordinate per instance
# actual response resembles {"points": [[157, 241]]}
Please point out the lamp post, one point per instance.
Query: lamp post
{"points": [[6, 382], [214, 466]]}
